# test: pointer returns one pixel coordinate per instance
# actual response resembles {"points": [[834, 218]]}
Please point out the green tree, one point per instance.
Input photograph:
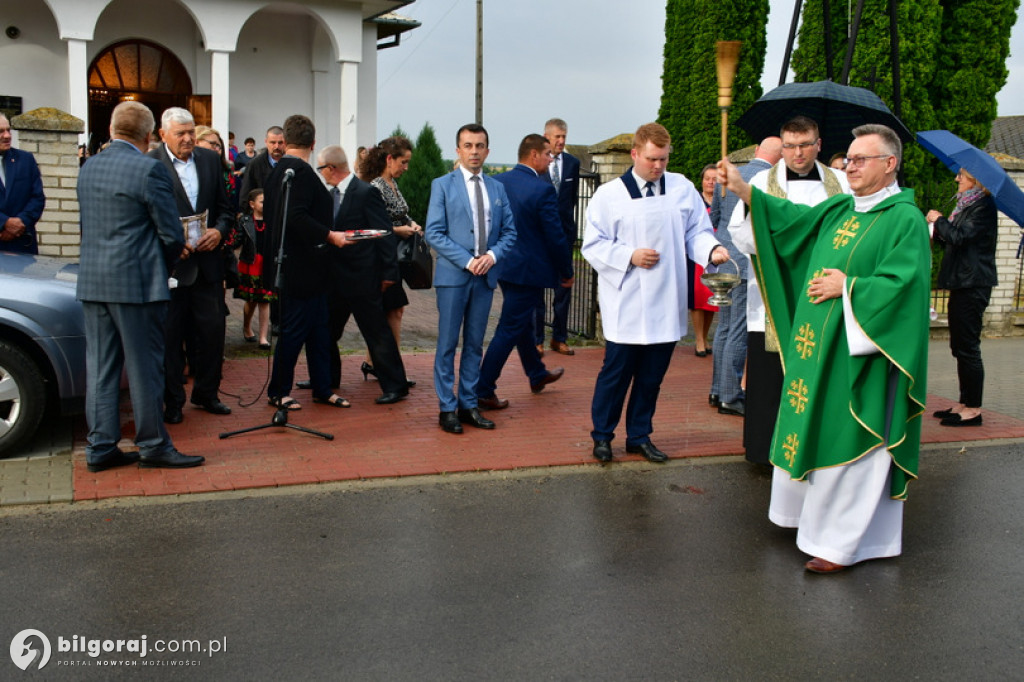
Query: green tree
{"points": [[425, 165], [689, 99]]}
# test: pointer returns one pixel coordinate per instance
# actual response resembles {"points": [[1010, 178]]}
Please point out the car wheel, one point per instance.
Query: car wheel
{"points": [[22, 397]]}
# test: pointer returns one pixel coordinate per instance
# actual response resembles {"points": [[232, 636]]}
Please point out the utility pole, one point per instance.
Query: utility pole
{"points": [[480, 61]]}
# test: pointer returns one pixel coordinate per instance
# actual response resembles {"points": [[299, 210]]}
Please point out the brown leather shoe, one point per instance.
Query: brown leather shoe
{"points": [[491, 403], [819, 565], [540, 349], [550, 378], [562, 347]]}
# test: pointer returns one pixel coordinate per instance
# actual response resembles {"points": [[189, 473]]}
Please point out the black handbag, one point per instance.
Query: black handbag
{"points": [[415, 262]]}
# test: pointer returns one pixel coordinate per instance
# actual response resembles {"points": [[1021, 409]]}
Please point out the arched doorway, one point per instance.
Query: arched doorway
{"points": [[143, 71]]}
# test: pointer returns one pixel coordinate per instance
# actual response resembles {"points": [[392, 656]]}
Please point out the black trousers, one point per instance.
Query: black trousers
{"points": [[197, 309], [368, 310], [966, 308], [764, 394]]}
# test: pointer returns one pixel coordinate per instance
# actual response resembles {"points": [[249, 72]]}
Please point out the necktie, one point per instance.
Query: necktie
{"points": [[481, 226], [336, 199], [650, 189], [556, 180]]}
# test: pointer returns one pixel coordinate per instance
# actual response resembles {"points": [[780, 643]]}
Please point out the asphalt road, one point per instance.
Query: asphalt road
{"points": [[631, 572]]}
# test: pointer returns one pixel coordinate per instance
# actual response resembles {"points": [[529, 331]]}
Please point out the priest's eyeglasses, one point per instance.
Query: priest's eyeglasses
{"points": [[859, 161], [801, 146]]}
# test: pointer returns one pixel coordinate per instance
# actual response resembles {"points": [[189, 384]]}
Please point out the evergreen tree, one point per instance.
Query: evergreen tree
{"points": [[689, 99], [425, 165]]}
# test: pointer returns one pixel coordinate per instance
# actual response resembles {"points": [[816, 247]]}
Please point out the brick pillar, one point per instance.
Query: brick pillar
{"points": [[1001, 314], [52, 137], [612, 157]]}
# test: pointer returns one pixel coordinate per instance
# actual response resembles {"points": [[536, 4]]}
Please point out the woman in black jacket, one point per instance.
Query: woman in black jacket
{"points": [[968, 271]]}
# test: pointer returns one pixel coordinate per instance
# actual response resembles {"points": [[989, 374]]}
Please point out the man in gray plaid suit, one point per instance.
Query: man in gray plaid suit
{"points": [[131, 237]]}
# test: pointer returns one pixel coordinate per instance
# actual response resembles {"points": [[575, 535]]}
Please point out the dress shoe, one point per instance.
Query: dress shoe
{"points": [[819, 565], [491, 403], [562, 347], [648, 450], [736, 408], [173, 415], [540, 349], [390, 398], [473, 417], [213, 407], [449, 422], [116, 459], [367, 370], [172, 459], [305, 383], [550, 378], [602, 451], [714, 400], [942, 414], [957, 420], [700, 353]]}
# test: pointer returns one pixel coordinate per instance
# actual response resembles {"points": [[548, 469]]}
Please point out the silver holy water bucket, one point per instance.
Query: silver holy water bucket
{"points": [[721, 283]]}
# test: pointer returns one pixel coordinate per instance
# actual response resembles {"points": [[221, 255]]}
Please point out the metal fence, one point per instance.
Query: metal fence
{"points": [[583, 304]]}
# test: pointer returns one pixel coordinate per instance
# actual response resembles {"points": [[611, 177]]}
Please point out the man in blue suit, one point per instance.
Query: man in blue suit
{"points": [[21, 195], [540, 258], [564, 175], [470, 225], [131, 237]]}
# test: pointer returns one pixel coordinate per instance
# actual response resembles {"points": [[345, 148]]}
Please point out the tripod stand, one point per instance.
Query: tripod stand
{"points": [[280, 417]]}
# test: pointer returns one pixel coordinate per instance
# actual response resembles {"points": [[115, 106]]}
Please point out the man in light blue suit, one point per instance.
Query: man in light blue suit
{"points": [[470, 225], [131, 237]]}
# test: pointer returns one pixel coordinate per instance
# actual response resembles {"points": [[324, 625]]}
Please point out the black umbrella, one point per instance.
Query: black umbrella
{"points": [[837, 109]]}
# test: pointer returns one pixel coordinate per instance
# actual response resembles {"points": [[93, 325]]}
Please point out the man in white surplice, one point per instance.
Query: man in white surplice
{"points": [[640, 229]]}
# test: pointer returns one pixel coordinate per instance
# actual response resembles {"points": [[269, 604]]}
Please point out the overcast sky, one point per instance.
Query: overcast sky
{"points": [[597, 64]]}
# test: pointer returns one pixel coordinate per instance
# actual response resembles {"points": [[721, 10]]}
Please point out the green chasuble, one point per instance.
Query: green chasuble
{"points": [[836, 407]]}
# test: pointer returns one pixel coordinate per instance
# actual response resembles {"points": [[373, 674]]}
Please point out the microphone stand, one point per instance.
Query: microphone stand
{"points": [[280, 417]]}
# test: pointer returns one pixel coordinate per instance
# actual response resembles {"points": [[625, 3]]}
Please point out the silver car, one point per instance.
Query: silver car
{"points": [[42, 344]]}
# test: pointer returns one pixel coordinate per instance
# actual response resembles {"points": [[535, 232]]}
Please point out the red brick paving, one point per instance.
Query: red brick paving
{"points": [[373, 441]]}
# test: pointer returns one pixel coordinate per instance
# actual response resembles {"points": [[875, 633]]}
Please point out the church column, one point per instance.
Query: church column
{"points": [[220, 87], [78, 84], [349, 106]]}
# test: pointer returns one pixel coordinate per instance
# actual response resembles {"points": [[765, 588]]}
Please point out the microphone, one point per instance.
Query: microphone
{"points": [[288, 175]]}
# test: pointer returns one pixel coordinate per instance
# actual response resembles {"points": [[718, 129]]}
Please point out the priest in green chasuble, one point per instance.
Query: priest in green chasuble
{"points": [[846, 284]]}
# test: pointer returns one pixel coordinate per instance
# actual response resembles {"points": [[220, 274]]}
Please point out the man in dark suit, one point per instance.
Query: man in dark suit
{"points": [[359, 274], [259, 169], [21, 195], [197, 301], [131, 237], [564, 175], [307, 219], [539, 258], [470, 225]]}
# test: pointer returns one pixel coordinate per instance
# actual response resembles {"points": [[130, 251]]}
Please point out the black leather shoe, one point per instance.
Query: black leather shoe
{"points": [[737, 408], [648, 450], [491, 403], [449, 421], [473, 417], [214, 407], [173, 415], [552, 376], [602, 451], [389, 398], [305, 383], [116, 459], [956, 420], [172, 459], [714, 400]]}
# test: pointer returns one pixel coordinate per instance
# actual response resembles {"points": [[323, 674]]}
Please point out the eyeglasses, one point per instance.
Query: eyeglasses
{"points": [[326, 165], [858, 161], [801, 146]]}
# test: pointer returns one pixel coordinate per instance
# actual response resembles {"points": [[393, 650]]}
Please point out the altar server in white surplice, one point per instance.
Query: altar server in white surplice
{"points": [[640, 229]]}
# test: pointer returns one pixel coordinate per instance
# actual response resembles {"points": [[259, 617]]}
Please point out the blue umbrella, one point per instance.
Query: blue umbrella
{"points": [[957, 154]]}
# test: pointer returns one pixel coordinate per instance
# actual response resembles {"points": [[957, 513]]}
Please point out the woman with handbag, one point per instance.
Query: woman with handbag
{"points": [[382, 167], [968, 271]]}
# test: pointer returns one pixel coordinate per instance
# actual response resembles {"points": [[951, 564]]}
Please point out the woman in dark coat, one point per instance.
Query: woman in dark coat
{"points": [[968, 271]]}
